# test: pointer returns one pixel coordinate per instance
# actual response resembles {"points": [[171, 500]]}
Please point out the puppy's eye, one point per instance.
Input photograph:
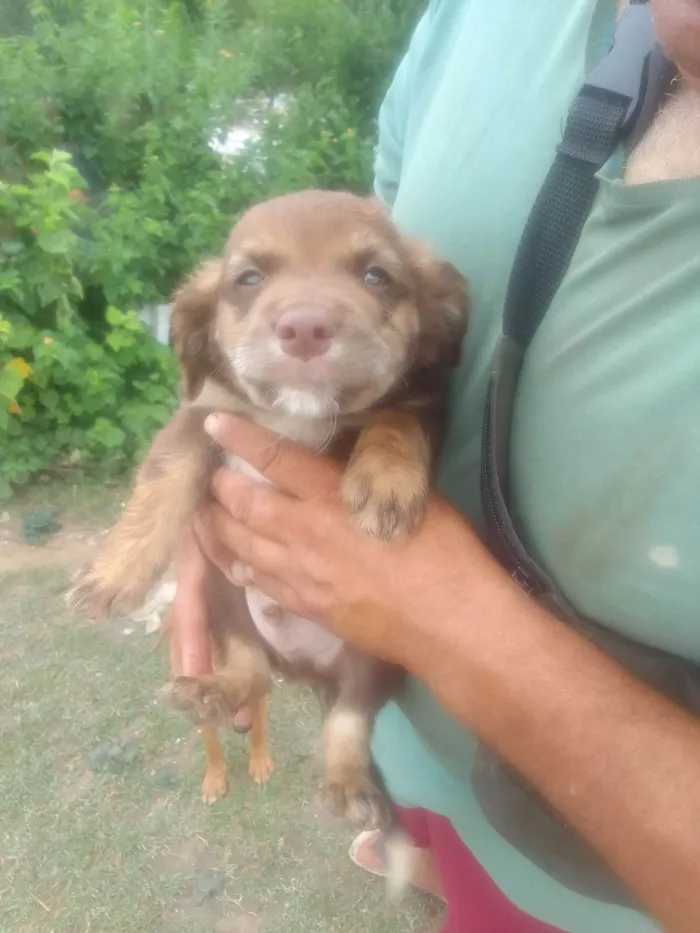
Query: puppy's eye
{"points": [[249, 278], [376, 276]]}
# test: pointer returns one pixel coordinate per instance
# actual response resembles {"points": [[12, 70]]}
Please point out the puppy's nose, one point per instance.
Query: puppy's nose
{"points": [[304, 334]]}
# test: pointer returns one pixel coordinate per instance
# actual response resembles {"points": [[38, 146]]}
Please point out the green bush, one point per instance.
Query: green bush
{"points": [[112, 192], [71, 392]]}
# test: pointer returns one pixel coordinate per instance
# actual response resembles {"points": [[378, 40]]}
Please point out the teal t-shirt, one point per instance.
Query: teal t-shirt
{"points": [[606, 436]]}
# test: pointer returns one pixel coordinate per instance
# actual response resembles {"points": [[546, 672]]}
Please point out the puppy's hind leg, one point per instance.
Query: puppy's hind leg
{"points": [[260, 764], [214, 784], [350, 788], [242, 678], [170, 486]]}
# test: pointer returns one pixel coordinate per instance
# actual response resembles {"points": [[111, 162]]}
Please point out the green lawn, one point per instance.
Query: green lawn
{"points": [[101, 824]]}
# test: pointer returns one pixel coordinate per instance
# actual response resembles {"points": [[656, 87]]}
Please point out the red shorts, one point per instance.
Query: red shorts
{"points": [[474, 903]]}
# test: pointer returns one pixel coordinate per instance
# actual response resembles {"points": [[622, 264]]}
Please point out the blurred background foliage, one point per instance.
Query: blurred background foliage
{"points": [[113, 185]]}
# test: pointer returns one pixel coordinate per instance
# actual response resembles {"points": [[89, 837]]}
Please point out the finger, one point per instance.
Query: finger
{"points": [[290, 466], [215, 550], [190, 564], [190, 617], [237, 572], [263, 509], [243, 545]]}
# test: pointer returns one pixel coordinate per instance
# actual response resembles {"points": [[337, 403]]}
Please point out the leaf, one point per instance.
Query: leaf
{"points": [[114, 315], [19, 365], [58, 157], [207, 885], [106, 433], [50, 399], [11, 381], [111, 756], [55, 241], [50, 291], [166, 780]]}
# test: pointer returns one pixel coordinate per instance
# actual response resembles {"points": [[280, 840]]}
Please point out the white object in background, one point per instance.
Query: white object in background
{"points": [[234, 141], [157, 318]]}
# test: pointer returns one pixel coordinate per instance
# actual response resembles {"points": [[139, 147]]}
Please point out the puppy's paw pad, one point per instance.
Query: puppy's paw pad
{"points": [[200, 698], [260, 769], [386, 503], [356, 798], [214, 786]]}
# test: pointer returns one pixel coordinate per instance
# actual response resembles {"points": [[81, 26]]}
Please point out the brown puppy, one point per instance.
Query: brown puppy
{"points": [[325, 324]]}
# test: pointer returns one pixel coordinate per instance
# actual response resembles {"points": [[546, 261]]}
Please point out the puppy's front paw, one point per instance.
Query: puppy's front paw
{"points": [[260, 768], [201, 699], [387, 496], [214, 786], [352, 794]]}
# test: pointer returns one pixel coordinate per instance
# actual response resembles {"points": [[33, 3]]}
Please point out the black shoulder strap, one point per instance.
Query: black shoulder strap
{"points": [[617, 99]]}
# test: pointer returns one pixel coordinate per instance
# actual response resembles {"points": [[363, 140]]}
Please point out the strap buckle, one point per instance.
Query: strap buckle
{"points": [[634, 66]]}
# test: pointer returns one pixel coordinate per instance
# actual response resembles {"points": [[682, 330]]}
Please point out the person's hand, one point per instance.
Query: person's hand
{"points": [[297, 541]]}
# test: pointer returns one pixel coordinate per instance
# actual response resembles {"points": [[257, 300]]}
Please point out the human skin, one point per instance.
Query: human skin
{"points": [[620, 762], [678, 28]]}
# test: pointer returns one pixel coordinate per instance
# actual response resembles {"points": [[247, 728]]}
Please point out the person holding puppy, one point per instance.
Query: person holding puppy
{"points": [[604, 474]]}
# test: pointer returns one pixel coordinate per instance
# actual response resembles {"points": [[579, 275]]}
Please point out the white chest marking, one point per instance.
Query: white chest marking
{"points": [[296, 639]]}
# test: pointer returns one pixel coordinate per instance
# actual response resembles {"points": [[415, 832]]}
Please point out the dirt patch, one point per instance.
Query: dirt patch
{"points": [[84, 511], [69, 548]]}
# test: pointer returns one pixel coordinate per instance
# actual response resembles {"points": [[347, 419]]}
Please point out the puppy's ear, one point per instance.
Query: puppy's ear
{"points": [[444, 306], [193, 325]]}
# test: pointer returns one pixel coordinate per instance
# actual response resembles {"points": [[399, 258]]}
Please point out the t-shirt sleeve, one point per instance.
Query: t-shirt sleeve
{"points": [[394, 116]]}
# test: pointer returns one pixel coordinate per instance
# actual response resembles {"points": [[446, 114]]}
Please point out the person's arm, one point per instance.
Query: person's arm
{"points": [[617, 760]]}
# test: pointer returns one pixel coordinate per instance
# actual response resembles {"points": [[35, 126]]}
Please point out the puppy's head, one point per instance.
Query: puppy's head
{"points": [[319, 306]]}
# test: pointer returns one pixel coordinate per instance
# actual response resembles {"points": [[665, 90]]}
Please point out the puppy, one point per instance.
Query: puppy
{"points": [[325, 324]]}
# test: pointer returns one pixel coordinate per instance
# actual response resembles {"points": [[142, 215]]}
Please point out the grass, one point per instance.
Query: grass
{"points": [[103, 829]]}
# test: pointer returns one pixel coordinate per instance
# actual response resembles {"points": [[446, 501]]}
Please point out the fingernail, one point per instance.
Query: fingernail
{"points": [[241, 574], [211, 424]]}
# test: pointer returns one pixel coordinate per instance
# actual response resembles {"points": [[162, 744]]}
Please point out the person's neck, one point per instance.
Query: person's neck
{"points": [[670, 149]]}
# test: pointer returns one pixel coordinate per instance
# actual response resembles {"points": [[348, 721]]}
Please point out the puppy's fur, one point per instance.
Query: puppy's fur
{"points": [[325, 324]]}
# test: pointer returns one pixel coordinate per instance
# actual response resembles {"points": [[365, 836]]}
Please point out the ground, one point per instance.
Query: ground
{"points": [[103, 829]]}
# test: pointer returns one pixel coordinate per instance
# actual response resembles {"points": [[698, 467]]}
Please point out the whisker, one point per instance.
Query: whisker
{"points": [[329, 436]]}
